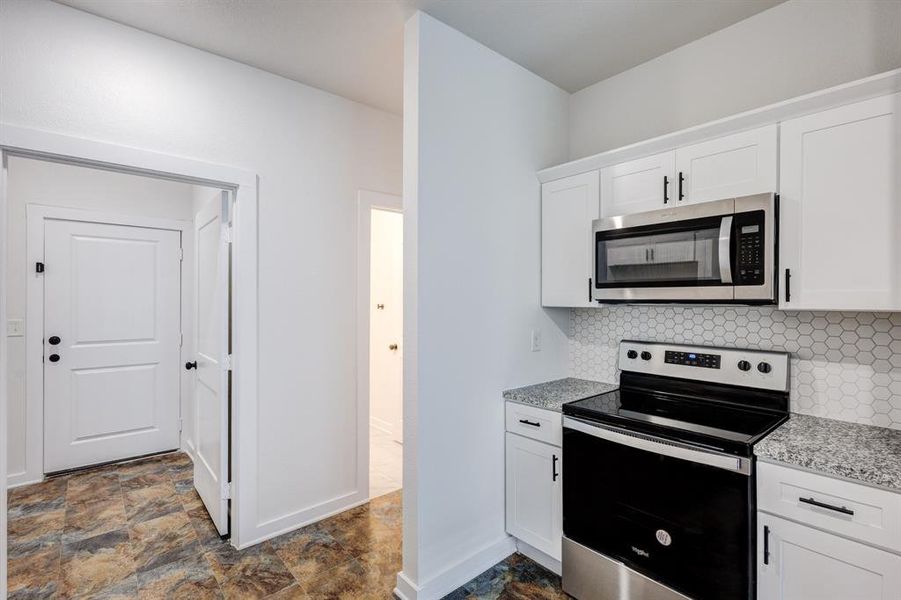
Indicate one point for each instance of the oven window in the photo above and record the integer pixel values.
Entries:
(686, 256)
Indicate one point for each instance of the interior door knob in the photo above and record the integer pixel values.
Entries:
(392, 346)
(54, 340)
(191, 365)
(54, 358)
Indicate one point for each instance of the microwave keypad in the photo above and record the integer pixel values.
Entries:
(750, 254)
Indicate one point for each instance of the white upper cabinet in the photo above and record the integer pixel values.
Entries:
(840, 236)
(568, 206)
(638, 185)
(735, 165)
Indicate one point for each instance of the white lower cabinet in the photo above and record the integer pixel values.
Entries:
(534, 493)
(797, 562)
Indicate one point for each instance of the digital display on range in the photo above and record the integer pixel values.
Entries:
(692, 359)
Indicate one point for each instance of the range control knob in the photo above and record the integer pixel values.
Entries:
(645, 355)
(764, 367)
(744, 365)
(631, 354)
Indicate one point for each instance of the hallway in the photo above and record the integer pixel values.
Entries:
(139, 530)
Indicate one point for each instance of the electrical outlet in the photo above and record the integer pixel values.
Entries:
(15, 328)
(536, 340)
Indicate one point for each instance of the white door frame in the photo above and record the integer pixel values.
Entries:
(36, 215)
(33, 143)
(366, 201)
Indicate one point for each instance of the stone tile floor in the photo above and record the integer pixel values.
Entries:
(515, 578)
(139, 530)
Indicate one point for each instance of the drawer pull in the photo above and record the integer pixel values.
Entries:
(841, 509)
(766, 545)
(528, 422)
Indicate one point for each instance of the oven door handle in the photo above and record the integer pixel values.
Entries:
(725, 250)
(661, 446)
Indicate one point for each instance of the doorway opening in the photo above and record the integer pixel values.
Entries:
(118, 305)
(385, 352)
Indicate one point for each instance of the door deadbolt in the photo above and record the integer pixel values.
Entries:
(54, 340)
(392, 347)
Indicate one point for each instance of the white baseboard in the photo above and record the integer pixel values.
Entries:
(406, 589)
(457, 574)
(548, 562)
(19, 479)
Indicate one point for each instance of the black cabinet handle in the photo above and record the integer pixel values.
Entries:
(54, 358)
(589, 289)
(840, 509)
(528, 422)
(554, 473)
(766, 545)
(54, 340)
(681, 181)
(788, 285)
(665, 189)
(191, 365)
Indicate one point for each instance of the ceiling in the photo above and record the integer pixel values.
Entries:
(354, 48)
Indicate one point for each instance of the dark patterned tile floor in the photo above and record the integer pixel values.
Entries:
(139, 530)
(514, 578)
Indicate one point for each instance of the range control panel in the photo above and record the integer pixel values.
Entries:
(734, 366)
(692, 359)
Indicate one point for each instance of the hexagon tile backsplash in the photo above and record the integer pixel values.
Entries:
(844, 366)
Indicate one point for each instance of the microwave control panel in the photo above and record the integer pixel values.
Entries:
(750, 252)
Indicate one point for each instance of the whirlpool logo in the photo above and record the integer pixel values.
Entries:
(641, 552)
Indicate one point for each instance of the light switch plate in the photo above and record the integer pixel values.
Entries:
(15, 328)
(536, 340)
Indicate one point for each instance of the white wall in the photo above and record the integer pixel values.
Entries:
(69, 72)
(55, 184)
(791, 49)
(477, 128)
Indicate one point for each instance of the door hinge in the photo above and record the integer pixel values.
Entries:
(181, 423)
(229, 362)
(181, 340)
(227, 234)
(38, 267)
(181, 254)
(227, 490)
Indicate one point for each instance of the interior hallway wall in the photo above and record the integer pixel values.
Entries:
(794, 48)
(56, 184)
(72, 73)
(476, 129)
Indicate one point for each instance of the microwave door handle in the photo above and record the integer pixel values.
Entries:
(725, 250)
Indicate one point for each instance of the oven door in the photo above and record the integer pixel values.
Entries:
(676, 514)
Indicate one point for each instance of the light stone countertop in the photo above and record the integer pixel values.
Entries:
(552, 395)
(864, 453)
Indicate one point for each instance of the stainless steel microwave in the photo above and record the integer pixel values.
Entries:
(713, 252)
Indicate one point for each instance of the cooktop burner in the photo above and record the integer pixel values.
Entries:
(710, 399)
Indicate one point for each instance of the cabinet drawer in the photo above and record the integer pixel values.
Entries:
(536, 423)
(856, 511)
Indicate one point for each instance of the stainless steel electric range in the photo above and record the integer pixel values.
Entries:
(659, 493)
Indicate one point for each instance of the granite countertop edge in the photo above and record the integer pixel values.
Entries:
(859, 453)
(552, 395)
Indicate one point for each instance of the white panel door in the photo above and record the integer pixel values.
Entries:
(534, 511)
(804, 563)
(386, 322)
(568, 207)
(840, 205)
(111, 379)
(638, 185)
(211, 389)
(735, 165)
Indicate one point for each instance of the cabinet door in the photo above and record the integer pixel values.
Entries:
(638, 185)
(568, 207)
(728, 167)
(807, 564)
(534, 493)
(840, 206)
